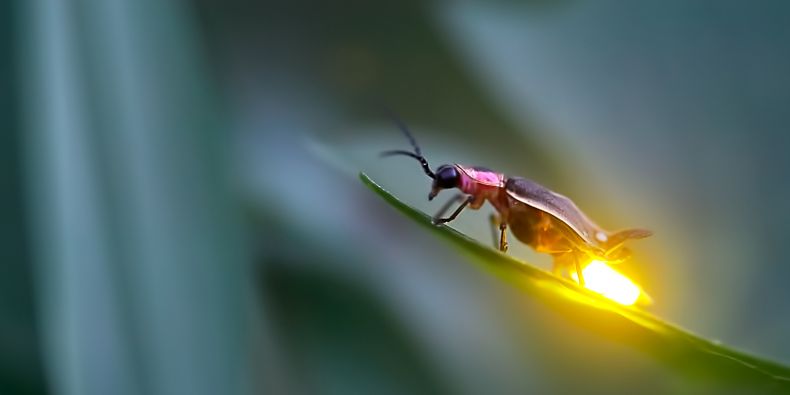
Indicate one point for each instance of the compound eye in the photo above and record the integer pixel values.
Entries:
(447, 177)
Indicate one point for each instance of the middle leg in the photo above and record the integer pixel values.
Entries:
(497, 222)
(502, 237)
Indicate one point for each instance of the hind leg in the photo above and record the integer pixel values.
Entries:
(617, 256)
(578, 266)
(561, 261)
(556, 268)
(569, 260)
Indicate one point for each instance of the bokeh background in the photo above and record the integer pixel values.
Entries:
(181, 213)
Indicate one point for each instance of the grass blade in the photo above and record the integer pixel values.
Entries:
(688, 354)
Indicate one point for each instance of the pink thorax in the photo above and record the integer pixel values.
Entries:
(471, 178)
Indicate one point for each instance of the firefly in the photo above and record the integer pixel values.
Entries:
(548, 222)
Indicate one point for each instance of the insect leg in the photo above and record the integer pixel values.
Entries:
(556, 268)
(437, 220)
(578, 269)
(494, 223)
(502, 237)
(618, 256)
(458, 197)
(560, 261)
(500, 242)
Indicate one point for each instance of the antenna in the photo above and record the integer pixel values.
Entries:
(417, 154)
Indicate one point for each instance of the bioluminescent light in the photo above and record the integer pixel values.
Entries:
(601, 278)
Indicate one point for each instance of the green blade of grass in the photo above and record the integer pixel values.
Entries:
(682, 351)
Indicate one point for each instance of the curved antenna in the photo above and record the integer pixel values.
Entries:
(417, 154)
(423, 162)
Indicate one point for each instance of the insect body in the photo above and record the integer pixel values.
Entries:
(547, 221)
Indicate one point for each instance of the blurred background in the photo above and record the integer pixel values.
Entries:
(181, 213)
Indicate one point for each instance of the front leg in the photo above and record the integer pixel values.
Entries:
(467, 199)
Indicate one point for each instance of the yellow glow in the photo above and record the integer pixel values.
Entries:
(601, 278)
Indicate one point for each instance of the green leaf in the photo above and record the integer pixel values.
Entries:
(690, 355)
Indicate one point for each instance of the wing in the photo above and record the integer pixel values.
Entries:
(558, 206)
